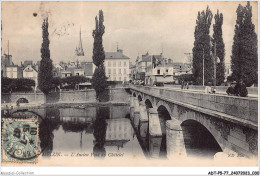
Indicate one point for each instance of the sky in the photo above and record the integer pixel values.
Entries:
(137, 27)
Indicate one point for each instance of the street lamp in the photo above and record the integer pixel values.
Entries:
(203, 82)
(35, 88)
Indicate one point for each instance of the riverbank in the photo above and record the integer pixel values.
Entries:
(73, 96)
(79, 105)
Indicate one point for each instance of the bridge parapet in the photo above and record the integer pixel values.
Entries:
(243, 108)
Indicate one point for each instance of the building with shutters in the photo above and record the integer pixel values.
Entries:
(117, 66)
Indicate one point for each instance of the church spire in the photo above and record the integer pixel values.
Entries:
(79, 49)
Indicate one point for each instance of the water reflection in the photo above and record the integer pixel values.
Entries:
(98, 131)
(119, 132)
(102, 130)
(100, 127)
(153, 147)
(46, 128)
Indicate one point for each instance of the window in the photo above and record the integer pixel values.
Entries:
(158, 72)
(119, 63)
(114, 71)
(77, 74)
(124, 71)
(114, 64)
(109, 71)
(119, 78)
(167, 70)
(119, 71)
(114, 78)
(124, 78)
(125, 63)
(109, 63)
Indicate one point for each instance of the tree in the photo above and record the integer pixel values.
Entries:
(45, 75)
(72, 81)
(56, 82)
(202, 42)
(220, 47)
(24, 84)
(18, 84)
(99, 81)
(244, 57)
(186, 77)
(98, 50)
(99, 77)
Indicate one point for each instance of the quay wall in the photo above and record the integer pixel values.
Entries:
(76, 96)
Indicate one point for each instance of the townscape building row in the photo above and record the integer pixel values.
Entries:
(148, 68)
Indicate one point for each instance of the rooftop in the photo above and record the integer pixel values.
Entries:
(116, 55)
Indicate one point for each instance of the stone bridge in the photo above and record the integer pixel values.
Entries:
(192, 118)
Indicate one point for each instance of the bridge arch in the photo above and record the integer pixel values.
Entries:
(206, 122)
(162, 103)
(198, 137)
(140, 97)
(22, 100)
(164, 115)
(149, 103)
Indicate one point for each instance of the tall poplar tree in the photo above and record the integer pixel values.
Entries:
(220, 47)
(98, 49)
(45, 75)
(99, 77)
(244, 57)
(202, 42)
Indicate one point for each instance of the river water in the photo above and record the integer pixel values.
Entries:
(98, 132)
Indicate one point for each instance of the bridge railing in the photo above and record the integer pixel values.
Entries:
(244, 108)
(222, 89)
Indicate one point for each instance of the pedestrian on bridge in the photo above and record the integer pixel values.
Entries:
(182, 84)
(231, 90)
(208, 88)
(240, 88)
(187, 85)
